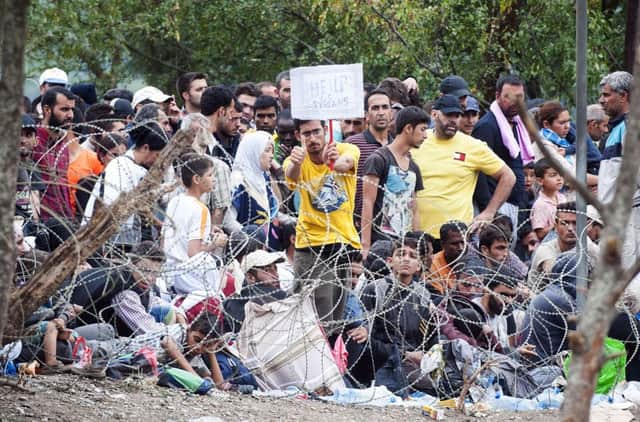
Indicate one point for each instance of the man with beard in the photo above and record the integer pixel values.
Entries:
(217, 105)
(52, 155)
(283, 88)
(450, 162)
(378, 114)
(190, 87)
(350, 127)
(391, 180)
(266, 113)
(228, 134)
(29, 185)
(503, 130)
(325, 234)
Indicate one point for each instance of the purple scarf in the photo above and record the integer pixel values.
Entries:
(509, 140)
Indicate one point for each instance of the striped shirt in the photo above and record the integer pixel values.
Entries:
(130, 309)
(367, 144)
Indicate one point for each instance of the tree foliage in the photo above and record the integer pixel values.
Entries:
(232, 41)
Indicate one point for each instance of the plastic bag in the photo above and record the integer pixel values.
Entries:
(181, 379)
(613, 371)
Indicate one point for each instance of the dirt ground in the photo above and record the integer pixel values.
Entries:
(70, 398)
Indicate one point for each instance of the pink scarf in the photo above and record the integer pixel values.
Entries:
(509, 140)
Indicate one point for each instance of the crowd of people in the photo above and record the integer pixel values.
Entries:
(416, 228)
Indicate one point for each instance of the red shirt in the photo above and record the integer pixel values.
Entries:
(52, 158)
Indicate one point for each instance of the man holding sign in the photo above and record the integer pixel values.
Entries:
(324, 173)
(325, 234)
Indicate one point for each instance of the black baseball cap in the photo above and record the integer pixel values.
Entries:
(122, 108)
(448, 104)
(28, 123)
(454, 85)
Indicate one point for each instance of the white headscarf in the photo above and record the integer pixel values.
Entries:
(246, 167)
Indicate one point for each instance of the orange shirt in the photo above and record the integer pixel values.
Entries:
(442, 276)
(85, 164)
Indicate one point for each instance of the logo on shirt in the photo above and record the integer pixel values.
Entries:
(459, 156)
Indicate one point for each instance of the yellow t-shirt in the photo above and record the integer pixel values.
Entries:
(449, 170)
(326, 209)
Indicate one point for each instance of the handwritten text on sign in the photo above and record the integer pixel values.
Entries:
(327, 92)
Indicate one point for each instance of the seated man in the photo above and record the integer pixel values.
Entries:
(547, 323)
(452, 238)
(547, 253)
(139, 309)
(261, 285)
(402, 329)
(120, 295)
(486, 321)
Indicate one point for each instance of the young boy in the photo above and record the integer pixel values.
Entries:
(544, 208)
(494, 247)
(50, 342)
(173, 344)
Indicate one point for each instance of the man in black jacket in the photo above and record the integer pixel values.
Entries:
(509, 90)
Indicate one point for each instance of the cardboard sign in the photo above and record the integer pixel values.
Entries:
(327, 92)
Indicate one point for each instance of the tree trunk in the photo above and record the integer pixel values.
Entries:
(609, 279)
(13, 28)
(631, 26)
(104, 224)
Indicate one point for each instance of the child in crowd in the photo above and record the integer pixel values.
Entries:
(50, 342)
(544, 208)
(189, 236)
(529, 183)
(173, 344)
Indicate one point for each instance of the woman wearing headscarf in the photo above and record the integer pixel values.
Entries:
(252, 199)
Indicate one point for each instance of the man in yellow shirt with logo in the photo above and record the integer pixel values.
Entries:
(450, 162)
(325, 176)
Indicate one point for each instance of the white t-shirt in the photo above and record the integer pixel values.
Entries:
(187, 219)
(122, 174)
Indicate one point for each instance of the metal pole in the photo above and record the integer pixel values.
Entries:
(581, 150)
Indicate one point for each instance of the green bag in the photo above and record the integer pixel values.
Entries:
(179, 378)
(613, 371)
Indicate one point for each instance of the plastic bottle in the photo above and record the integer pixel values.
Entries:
(242, 388)
(512, 403)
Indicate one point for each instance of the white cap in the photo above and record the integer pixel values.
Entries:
(594, 215)
(54, 76)
(149, 93)
(260, 258)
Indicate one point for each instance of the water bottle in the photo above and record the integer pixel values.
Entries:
(512, 404)
(242, 388)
